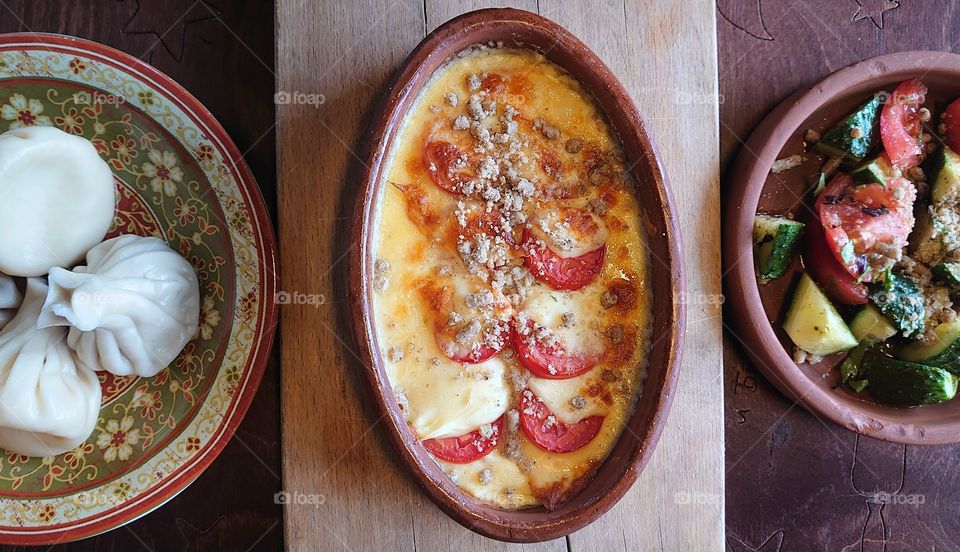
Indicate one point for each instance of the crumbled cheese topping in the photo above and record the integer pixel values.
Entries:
(486, 476)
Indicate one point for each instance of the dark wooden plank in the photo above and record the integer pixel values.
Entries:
(222, 52)
(794, 482)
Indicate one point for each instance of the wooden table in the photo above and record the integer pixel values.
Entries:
(793, 481)
(222, 52)
(333, 446)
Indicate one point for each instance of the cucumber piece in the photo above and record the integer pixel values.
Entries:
(948, 273)
(814, 324)
(877, 171)
(776, 241)
(858, 385)
(903, 383)
(850, 367)
(902, 302)
(853, 137)
(947, 182)
(870, 326)
(942, 352)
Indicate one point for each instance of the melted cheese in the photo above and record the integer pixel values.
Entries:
(507, 485)
(569, 232)
(582, 334)
(559, 396)
(452, 399)
(417, 238)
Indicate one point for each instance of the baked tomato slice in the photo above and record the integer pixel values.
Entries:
(479, 221)
(866, 226)
(470, 351)
(547, 361)
(951, 123)
(550, 434)
(900, 124)
(567, 274)
(448, 164)
(839, 285)
(466, 448)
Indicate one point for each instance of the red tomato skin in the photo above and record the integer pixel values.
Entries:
(465, 448)
(538, 359)
(459, 353)
(951, 120)
(559, 437)
(823, 267)
(900, 124)
(557, 272)
(868, 216)
(438, 156)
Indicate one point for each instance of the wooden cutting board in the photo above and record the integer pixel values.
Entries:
(346, 489)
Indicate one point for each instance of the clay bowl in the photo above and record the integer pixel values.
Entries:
(758, 311)
(615, 476)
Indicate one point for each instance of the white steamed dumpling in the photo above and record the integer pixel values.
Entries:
(132, 308)
(10, 299)
(57, 200)
(48, 404)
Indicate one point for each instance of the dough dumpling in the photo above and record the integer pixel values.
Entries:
(58, 200)
(9, 299)
(48, 404)
(132, 308)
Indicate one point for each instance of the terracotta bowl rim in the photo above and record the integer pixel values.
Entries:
(747, 182)
(528, 29)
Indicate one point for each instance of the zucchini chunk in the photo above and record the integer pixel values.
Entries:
(814, 324)
(902, 302)
(876, 171)
(776, 240)
(870, 326)
(948, 273)
(852, 138)
(904, 383)
(947, 180)
(943, 352)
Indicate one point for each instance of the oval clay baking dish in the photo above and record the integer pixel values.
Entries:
(758, 310)
(515, 28)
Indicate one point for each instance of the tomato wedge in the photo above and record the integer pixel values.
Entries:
(548, 433)
(951, 122)
(557, 272)
(839, 285)
(900, 124)
(472, 353)
(465, 448)
(866, 226)
(448, 165)
(552, 362)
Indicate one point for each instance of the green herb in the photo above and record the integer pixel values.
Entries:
(821, 185)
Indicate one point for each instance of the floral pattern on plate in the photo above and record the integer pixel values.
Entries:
(178, 178)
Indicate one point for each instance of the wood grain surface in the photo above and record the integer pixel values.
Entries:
(222, 52)
(335, 453)
(795, 483)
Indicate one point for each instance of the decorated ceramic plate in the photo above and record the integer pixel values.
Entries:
(179, 178)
